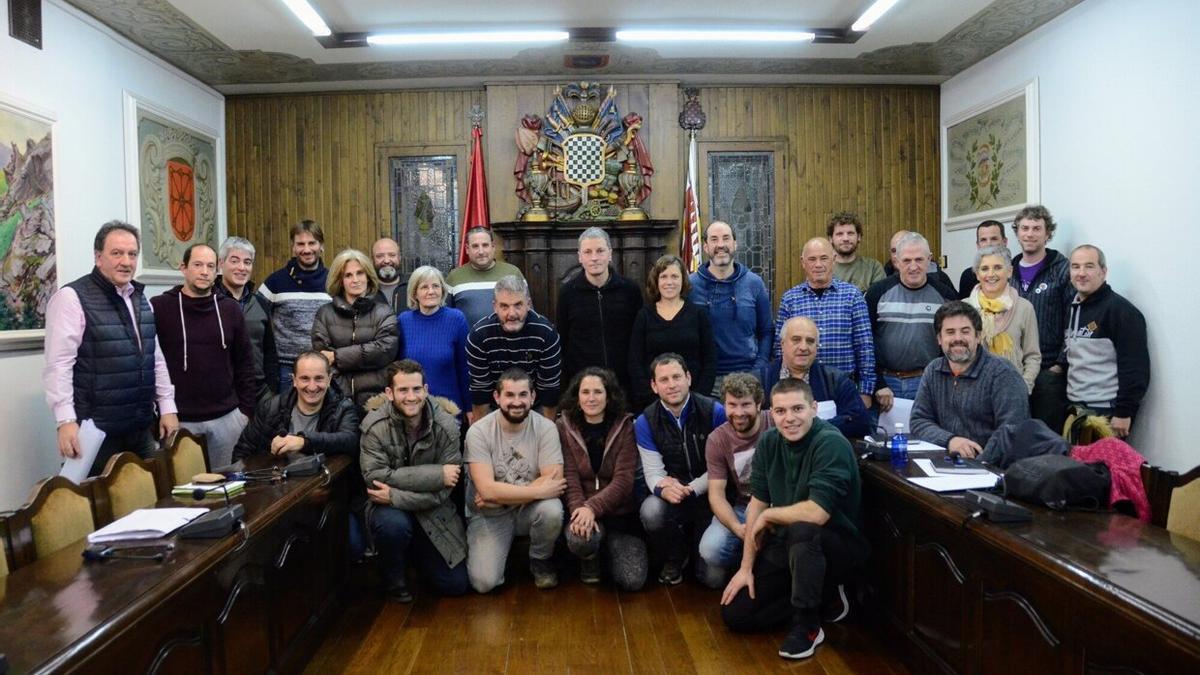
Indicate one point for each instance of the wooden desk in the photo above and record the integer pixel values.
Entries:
(1067, 593)
(214, 606)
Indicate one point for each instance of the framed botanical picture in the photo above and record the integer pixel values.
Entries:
(28, 266)
(174, 187)
(990, 159)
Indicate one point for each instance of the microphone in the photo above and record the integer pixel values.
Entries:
(217, 522)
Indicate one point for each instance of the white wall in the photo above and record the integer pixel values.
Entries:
(78, 78)
(1119, 88)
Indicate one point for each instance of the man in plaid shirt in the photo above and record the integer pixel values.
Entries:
(840, 313)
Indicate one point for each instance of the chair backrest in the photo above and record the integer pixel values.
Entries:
(58, 514)
(1168, 490)
(128, 483)
(187, 456)
(4, 547)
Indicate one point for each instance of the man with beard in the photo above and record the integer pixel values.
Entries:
(235, 261)
(845, 230)
(801, 339)
(839, 310)
(294, 293)
(968, 394)
(516, 466)
(513, 336)
(728, 454)
(470, 286)
(739, 308)
(393, 291)
(204, 341)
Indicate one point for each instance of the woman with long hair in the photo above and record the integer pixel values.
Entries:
(600, 459)
(356, 334)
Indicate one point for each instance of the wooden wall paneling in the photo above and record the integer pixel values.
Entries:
(499, 129)
(667, 144)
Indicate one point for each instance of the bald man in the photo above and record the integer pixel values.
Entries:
(393, 290)
(838, 309)
(801, 339)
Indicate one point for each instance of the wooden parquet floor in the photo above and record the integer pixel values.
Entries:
(575, 629)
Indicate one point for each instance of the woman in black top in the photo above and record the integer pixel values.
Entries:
(670, 324)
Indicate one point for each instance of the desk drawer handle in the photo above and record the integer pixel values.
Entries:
(1029, 611)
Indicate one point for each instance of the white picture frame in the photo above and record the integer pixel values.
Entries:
(990, 159)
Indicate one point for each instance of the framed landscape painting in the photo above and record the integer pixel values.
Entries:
(173, 190)
(28, 267)
(990, 159)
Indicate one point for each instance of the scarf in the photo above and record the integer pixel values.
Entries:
(996, 314)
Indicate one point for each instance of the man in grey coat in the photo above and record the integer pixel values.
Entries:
(967, 394)
(411, 460)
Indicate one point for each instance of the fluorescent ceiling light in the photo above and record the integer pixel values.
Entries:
(872, 15)
(309, 17)
(714, 36)
(467, 37)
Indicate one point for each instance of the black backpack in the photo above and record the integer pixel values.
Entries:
(1059, 482)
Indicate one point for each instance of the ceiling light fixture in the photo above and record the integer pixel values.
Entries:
(715, 36)
(309, 17)
(388, 39)
(872, 15)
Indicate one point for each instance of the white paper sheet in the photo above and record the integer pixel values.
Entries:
(826, 410)
(90, 439)
(145, 524)
(900, 412)
(956, 482)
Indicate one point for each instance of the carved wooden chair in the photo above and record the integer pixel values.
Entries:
(187, 455)
(1174, 499)
(128, 483)
(58, 514)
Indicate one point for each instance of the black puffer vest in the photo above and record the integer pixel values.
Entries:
(682, 449)
(114, 377)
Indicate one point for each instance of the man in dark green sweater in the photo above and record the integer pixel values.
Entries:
(803, 538)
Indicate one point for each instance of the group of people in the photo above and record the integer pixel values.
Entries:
(697, 428)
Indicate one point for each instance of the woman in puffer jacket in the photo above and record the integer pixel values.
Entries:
(359, 336)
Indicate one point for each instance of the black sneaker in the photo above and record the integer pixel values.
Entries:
(544, 574)
(400, 593)
(671, 574)
(801, 642)
(589, 570)
(837, 607)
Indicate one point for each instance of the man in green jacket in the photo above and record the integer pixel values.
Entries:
(411, 460)
(803, 538)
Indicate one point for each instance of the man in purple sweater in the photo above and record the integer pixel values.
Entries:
(207, 349)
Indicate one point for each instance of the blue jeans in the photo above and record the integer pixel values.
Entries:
(720, 550)
(398, 534)
(903, 387)
(285, 377)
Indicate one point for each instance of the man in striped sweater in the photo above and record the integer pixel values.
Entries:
(513, 336)
(294, 293)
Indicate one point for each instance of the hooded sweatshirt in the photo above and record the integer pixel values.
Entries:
(1108, 362)
(294, 295)
(208, 354)
(740, 312)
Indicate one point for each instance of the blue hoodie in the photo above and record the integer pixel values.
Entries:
(740, 311)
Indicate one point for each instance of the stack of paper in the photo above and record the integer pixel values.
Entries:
(145, 524)
(235, 488)
(942, 482)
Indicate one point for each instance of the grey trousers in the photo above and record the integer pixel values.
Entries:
(222, 434)
(624, 554)
(490, 537)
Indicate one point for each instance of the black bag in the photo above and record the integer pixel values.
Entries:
(1059, 482)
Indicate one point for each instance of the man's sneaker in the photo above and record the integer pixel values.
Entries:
(801, 642)
(671, 574)
(837, 607)
(589, 570)
(400, 593)
(544, 575)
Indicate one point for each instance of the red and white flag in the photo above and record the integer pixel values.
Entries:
(689, 233)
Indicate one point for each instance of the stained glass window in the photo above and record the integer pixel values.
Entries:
(425, 211)
(741, 192)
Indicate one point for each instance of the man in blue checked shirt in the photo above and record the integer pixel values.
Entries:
(840, 313)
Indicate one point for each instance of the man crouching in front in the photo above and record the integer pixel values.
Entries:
(803, 538)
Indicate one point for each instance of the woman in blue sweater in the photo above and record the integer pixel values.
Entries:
(435, 336)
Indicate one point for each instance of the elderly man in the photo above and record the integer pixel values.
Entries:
(596, 309)
(902, 308)
(235, 260)
(470, 286)
(839, 311)
(845, 230)
(1108, 363)
(739, 308)
(969, 393)
(513, 336)
(104, 367)
(932, 268)
(393, 290)
(801, 340)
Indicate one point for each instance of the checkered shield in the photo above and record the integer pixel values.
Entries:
(583, 156)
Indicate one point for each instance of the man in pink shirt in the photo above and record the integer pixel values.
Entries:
(103, 362)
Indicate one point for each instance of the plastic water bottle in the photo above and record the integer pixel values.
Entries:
(899, 447)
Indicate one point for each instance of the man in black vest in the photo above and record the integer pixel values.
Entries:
(671, 435)
(103, 364)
